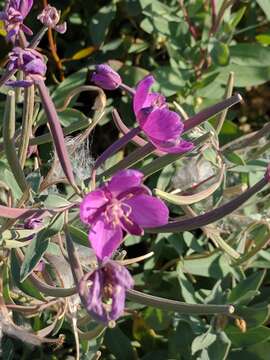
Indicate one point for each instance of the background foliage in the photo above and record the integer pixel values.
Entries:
(191, 58)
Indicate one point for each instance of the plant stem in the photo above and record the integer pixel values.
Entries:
(28, 110)
(177, 306)
(57, 133)
(211, 216)
(9, 142)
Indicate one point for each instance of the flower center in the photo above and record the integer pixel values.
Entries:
(158, 102)
(117, 210)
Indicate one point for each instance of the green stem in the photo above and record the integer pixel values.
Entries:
(27, 119)
(9, 142)
(228, 94)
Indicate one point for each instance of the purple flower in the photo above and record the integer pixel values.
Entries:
(50, 17)
(14, 15)
(105, 77)
(123, 204)
(162, 126)
(30, 62)
(106, 292)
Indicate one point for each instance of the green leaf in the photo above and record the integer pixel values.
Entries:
(99, 24)
(54, 200)
(203, 341)
(219, 349)
(38, 247)
(216, 266)
(78, 235)
(118, 344)
(250, 337)
(25, 286)
(248, 54)
(70, 116)
(265, 6)
(245, 291)
(264, 38)
(33, 255)
(254, 316)
(246, 75)
(220, 53)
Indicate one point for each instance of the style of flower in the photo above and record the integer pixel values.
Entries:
(50, 17)
(123, 204)
(105, 77)
(14, 14)
(104, 291)
(162, 127)
(30, 62)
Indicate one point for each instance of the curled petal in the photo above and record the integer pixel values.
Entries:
(142, 92)
(105, 238)
(131, 227)
(180, 148)
(107, 291)
(148, 211)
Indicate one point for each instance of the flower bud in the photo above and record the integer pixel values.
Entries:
(105, 77)
(50, 17)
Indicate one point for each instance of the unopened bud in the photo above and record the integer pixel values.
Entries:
(105, 77)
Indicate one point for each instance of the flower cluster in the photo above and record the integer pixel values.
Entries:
(14, 14)
(30, 62)
(123, 204)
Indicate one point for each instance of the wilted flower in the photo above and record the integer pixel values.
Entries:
(124, 203)
(162, 126)
(30, 62)
(50, 17)
(104, 291)
(33, 222)
(105, 77)
(13, 16)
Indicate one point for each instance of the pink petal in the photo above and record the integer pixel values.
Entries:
(131, 227)
(163, 125)
(142, 92)
(182, 147)
(105, 238)
(25, 7)
(148, 211)
(90, 205)
(124, 180)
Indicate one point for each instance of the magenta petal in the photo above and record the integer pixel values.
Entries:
(148, 211)
(124, 180)
(182, 147)
(90, 205)
(131, 227)
(105, 238)
(163, 125)
(142, 91)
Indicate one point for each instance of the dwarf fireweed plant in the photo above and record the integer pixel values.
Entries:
(88, 225)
